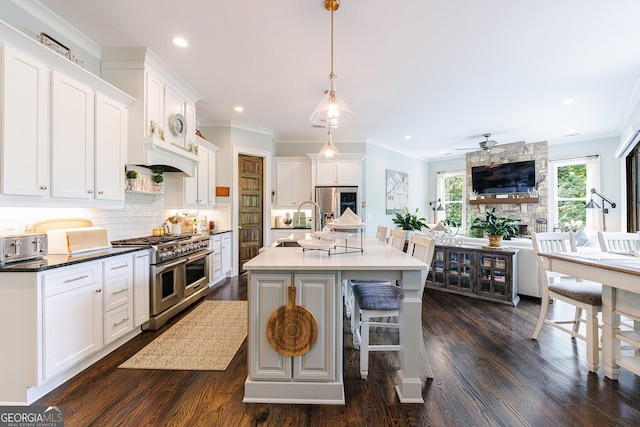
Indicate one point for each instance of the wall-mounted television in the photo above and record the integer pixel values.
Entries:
(516, 177)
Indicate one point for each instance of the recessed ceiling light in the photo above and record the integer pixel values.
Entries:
(238, 108)
(572, 132)
(179, 41)
(407, 137)
(568, 101)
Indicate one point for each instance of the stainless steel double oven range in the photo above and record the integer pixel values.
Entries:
(179, 273)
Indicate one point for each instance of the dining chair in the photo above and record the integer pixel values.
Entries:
(619, 242)
(377, 305)
(398, 238)
(347, 295)
(585, 296)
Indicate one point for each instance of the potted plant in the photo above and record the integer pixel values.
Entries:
(409, 221)
(132, 175)
(157, 178)
(496, 227)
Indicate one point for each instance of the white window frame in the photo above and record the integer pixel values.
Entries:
(593, 181)
(440, 191)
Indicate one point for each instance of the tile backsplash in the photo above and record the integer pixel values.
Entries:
(132, 220)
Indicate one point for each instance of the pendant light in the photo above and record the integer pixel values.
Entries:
(332, 110)
(329, 151)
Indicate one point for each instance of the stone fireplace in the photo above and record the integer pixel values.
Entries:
(519, 206)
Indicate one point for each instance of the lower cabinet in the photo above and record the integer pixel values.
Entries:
(476, 272)
(141, 297)
(72, 316)
(221, 258)
(118, 297)
(316, 292)
(225, 253)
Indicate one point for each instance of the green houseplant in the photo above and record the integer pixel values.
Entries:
(496, 227)
(157, 178)
(409, 221)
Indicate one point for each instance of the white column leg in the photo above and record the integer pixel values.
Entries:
(611, 326)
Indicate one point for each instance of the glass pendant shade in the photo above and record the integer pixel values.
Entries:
(328, 151)
(332, 110)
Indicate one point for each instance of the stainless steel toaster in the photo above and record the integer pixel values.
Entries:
(22, 247)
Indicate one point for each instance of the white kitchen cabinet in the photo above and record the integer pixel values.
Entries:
(141, 295)
(197, 191)
(216, 259)
(173, 104)
(190, 116)
(293, 181)
(345, 171)
(72, 138)
(154, 103)
(72, 316)
(314, 291)
(225, 253)
(111, 143)
(25, 125)
(118, 294)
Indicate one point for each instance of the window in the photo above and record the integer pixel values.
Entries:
(570, 186)
(451, 190)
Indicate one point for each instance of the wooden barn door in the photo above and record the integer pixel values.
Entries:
(250, 206)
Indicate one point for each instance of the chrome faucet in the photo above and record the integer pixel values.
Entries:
(316, 216)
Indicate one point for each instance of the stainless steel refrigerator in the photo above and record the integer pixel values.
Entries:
(333, 201)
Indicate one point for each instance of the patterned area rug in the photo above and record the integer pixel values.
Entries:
(206, 339)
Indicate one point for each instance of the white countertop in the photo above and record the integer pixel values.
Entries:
(376, 254)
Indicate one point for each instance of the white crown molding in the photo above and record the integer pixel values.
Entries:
(240, 125)
(50, 19)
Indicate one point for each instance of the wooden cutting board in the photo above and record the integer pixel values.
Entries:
(292, 329)
(42, 227)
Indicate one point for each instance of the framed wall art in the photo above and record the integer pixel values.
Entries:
(397, 186)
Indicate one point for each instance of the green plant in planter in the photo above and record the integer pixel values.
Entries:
(409, 221)
(496, 227)
(131, 174)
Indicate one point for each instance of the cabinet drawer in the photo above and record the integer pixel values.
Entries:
(117, 291)
(70, 278)
(118, 322)
(118, 266)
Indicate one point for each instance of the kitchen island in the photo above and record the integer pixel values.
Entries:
(316, 377)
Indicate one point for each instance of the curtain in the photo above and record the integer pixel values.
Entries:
(594, 216)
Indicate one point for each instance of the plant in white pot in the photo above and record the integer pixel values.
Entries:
(157, 178)
(409, 221)
(495, 226)
(132, 176)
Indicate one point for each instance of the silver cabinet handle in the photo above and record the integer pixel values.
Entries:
(120, 266)
(90, 191)
(76, 279)
(100, 192)
(98, 291)
(43, 187)
(120, 291)
(120, 322)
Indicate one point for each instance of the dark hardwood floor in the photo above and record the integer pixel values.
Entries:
(488, 372)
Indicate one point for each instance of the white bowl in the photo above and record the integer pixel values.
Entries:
(332, 235)
(316, 244)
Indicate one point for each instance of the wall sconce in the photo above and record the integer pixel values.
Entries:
(593, 205)
(434, 208)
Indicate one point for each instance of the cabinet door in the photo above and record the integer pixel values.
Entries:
(25, 125)
(268, 292)
(347, 172)
(211, 199)
(154, 101)
(111, 140)
(215, 268)
(140, 288)
(203, 176)
(285, 179)
(326, 173)
(317, 292)
(72, 138)
(173, 104)
(225, 253)
(190, 117)
(72, 325)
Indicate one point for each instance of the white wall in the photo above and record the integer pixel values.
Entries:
(377, 161)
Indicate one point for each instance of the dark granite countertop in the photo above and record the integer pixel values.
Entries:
(57, 261)
(214, 232)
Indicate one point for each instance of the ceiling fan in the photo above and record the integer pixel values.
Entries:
(488, 145)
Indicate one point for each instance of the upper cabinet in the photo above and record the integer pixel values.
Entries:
(197, 191)
(347, 170)
(162, 120)
(293, 181)
(25, 127)
(63, 128)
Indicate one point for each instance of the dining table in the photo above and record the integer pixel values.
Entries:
(312, 373)
(619, 274)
